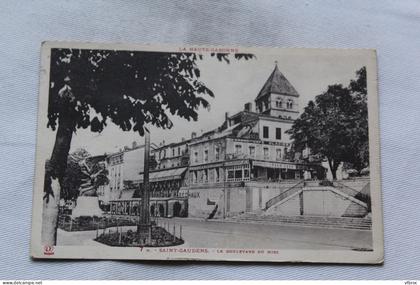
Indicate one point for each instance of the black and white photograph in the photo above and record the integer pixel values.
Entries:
(207, 153)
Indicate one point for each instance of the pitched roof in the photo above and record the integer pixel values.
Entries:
(278, 84)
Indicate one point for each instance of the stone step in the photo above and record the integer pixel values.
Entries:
(312, 222)
(334, 222)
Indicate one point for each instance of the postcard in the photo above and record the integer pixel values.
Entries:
(157, 152)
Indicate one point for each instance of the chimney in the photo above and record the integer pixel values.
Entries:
(134, 145)
(248, 107)
(193, 135)
(126, 148)
(227, 118)
(183, 139)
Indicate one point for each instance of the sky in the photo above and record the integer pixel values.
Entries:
(234, 85)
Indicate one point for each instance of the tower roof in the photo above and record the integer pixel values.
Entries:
(277, 83)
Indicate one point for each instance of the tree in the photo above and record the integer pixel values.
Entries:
(358, 157)
(94, 174)
(334, 126)
(89, 88)
(82, 168)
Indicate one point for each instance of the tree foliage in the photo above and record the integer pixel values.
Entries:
(90, 88)
(335, 125)
(94, 175)
(82, 168)
(130, 89)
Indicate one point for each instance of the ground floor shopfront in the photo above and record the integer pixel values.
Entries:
(243, 170)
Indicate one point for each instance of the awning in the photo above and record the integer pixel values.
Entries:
(277, 165)
(170, 174)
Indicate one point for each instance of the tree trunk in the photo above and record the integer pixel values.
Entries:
(50, 214)
(54, 172)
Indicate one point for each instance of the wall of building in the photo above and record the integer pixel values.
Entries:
(133, 163)
(171, 155)
(198, 155)
(259, 152)
(272, 125)
(115, 175)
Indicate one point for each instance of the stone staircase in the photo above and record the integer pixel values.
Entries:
(355, 211)
(312, 221)
(292, 190)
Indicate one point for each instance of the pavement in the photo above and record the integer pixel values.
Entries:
(218, 234)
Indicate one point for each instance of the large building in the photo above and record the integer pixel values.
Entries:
(244, 165)
(248, 160)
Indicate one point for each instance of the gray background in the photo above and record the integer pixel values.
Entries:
(392, 27)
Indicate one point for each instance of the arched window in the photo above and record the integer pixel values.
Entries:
(279, 103)
(290, 104)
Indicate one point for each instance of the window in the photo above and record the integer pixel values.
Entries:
(179, 151)
(238, 149)
(266, 153)
(205, 176)
(238, 174)
(231, 174)
(246, 173)
(206, 155)
(216, 174)
(290, 104)
(195, 156)
(194, 177)
(278, 154)
(252, 151)
(265, 132)
(278, 133)
(279, 104)
(216, 153)
(173, 152)
(199, 176)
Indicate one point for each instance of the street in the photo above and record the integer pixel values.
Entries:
(218, 234)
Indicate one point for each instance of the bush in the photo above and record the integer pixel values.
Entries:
(326, 183)
(160, 237)
(87, 223)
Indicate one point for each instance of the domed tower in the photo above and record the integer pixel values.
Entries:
(278, 97)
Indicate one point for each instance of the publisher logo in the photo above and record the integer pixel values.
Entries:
(48, 250)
